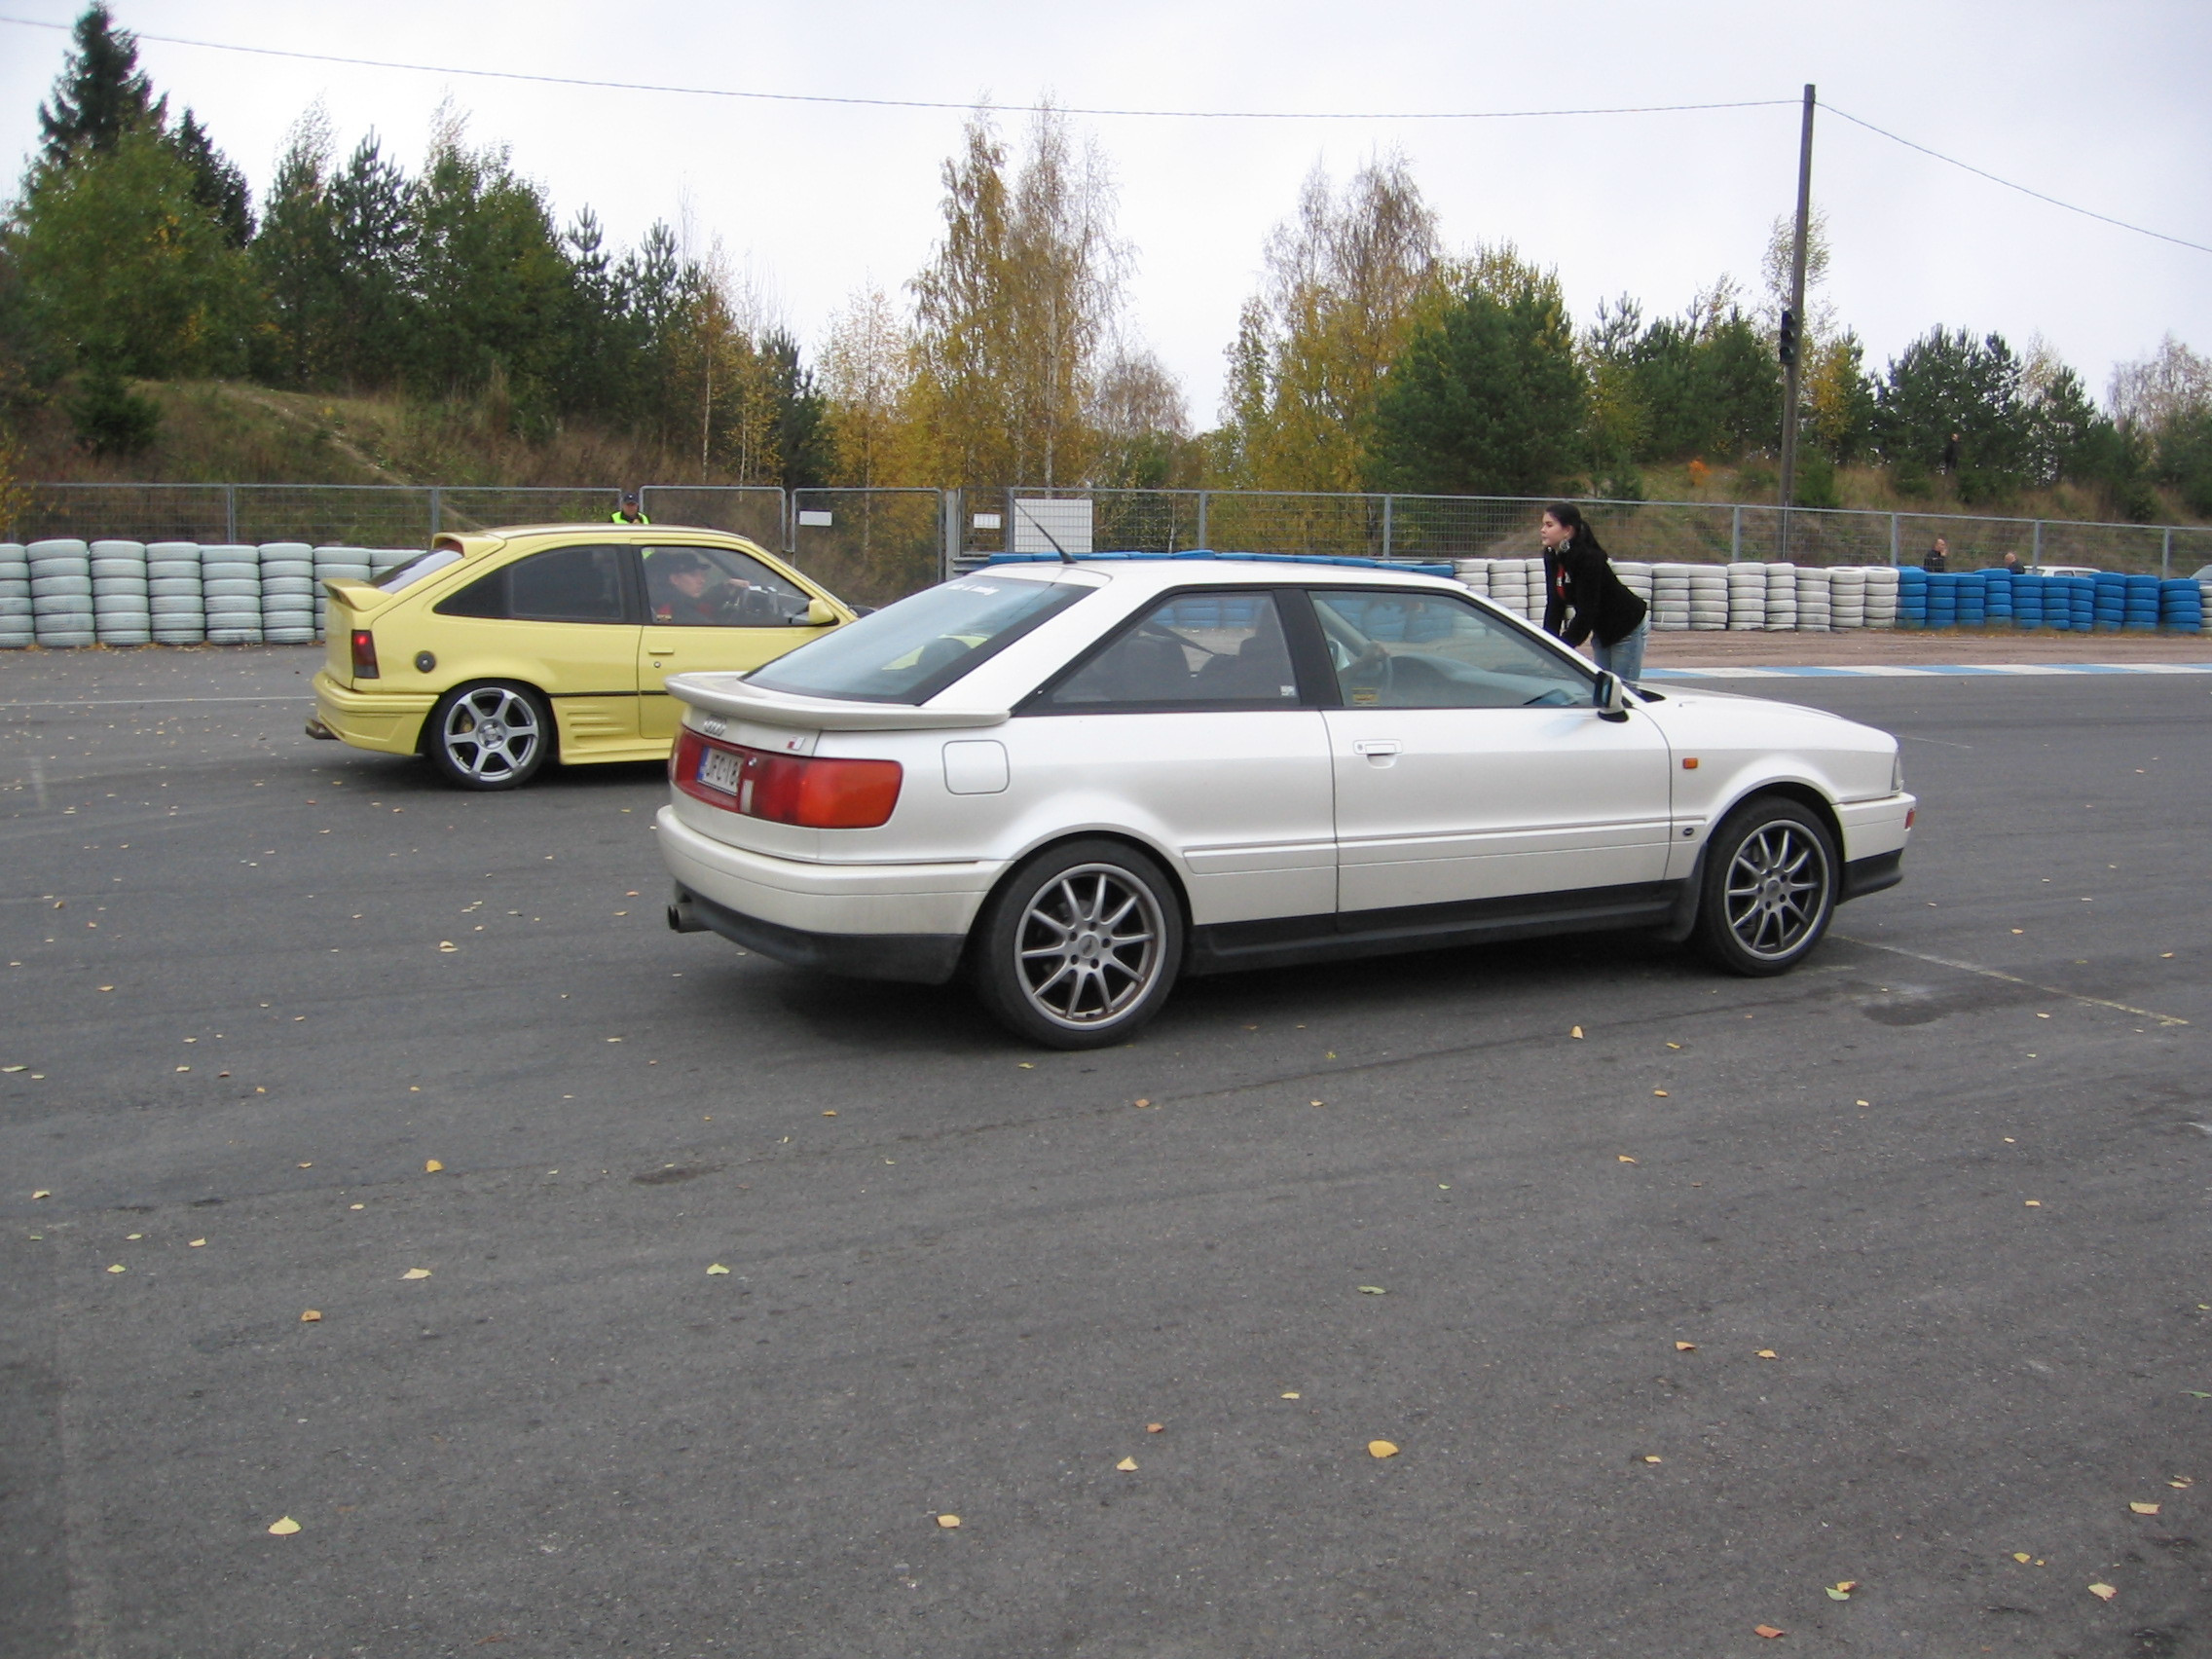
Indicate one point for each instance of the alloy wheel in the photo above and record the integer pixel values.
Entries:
(1777, 889)
(1089, 946)
(491, 734)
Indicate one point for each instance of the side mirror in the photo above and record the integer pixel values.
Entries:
(1608, 697)
(819, 614)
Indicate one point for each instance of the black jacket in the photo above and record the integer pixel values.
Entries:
(1598, 600)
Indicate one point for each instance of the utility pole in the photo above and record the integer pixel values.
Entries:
(1793, 322)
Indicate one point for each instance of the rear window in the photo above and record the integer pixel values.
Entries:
(909, 652)
(416, 569)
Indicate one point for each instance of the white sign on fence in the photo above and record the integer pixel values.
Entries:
(1040, 521)
(814, 518)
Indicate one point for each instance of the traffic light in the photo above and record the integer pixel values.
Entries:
(1785, 342)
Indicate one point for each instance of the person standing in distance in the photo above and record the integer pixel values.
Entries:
(628, 511)
(1938, 558)
(1584, 598)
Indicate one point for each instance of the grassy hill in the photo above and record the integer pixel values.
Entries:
(227, 432)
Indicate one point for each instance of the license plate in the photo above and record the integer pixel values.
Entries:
(718, 769)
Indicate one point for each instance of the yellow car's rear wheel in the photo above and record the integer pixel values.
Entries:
(492, 735)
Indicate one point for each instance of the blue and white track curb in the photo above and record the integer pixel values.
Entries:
(1925, 671)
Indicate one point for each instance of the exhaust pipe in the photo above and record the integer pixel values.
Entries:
(683, 915)
(316, 728)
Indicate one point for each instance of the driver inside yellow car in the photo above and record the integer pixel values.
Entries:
(696, 592)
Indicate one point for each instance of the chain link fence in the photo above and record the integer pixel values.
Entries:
(874, 545)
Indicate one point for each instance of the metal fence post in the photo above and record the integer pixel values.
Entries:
(1735, 533)
(948, 524)
(1893, 541)
(2034, 559)
(2165, 555)
(1203, 542)
(437, 509)
(1387, 501)
(230, 513)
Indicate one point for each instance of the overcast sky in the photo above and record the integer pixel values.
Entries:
(2102, 105)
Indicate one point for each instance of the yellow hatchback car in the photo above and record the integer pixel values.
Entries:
(492, 654)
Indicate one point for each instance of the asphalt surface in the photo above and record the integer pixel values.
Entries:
(1932, 1211)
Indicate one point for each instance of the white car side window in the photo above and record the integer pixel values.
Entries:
(1198, 650)
(1403, 650)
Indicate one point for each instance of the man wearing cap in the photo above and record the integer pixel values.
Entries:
(628, 511)
(692, 591)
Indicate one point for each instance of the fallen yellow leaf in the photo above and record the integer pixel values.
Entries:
(1661, 1092)
(313, 1316)
(948, 1521)
(1293, 1395)
(828, 1114)
(2033, 1203)
(1373, 1290)
(415, 1273)
(1847, 1585)
(1128, 1465)
(1649, 1459)
(1685, 1348)
(193, 1243)
(2181, 1482)
(2020, 1556)
(2144, 1508)
(116, 1269)
(1576, 1032)
(1863, 1103)
(1770, 1631)
(431, 1167)
(1154, 1427)
(1768, 1354)
(43, 1193)
(1381, 1449)
(718, 1267)
(2103, 1592)
(284, 1526)
(1144, 1104)
(447, 944)
(1625, 1159)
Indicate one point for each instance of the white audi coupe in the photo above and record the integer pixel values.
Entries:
(1076, 781)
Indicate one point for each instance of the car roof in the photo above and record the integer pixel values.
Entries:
(1154, 572)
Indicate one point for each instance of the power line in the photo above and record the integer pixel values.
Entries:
(918, 104)
(1984, 172)
(671, 90)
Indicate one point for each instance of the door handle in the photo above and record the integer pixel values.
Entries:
(1377, 746)
(660, 647)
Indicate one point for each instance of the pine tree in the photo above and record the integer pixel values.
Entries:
(103, 92)
(217, 184)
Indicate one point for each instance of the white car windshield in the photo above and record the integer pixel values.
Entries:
(909, 652)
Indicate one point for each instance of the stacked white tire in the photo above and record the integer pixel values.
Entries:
(62, 592)
(1881, 596)
(1709, 598)
(1747, 597)
(1781, 596)
(1509, 585)
(1814, 601)
(16, 628)
(288, 593)
(172, 593)
(1669, 598)
(229, 579)
(1473, 574)
(1847, 596)
(120, 614)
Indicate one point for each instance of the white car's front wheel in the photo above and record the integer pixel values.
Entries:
(1081, 946)
(1771, 876)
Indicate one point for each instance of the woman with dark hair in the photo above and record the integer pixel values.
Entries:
(1584, 599)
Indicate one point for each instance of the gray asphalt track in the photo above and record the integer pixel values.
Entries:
(1932, 1212)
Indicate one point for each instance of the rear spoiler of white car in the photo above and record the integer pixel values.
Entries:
(729, 694)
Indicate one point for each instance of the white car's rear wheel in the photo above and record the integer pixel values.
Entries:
(1081, 946)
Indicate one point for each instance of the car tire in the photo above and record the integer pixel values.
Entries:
(1040, 964)
(1769, 888)
(493, 734)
